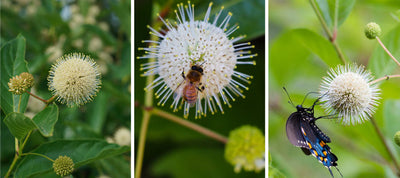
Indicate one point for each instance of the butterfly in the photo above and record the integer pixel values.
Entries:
(302, 132)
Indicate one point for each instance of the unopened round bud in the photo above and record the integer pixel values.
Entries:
(372, 30)
(63, 166)
(397, 138)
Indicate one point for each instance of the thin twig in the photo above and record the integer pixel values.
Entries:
(148, 101)
(38, 154)
(188, 124)
(382, 138)
(37, 97)
(387, 77)
(388, 52)
(332, 38)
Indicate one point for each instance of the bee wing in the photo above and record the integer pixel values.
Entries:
(177, 91)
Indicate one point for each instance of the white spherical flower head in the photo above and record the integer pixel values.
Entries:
(196, 61)
(123, 137)
(74, 79)
(347, 92)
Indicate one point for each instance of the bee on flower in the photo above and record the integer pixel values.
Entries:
(196, 62)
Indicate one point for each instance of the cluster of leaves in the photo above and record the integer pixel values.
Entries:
(77, 132)
(301, 54)
(176, 151)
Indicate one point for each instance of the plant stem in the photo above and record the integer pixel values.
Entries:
(38, 154)
(148, 101)
(382, 138)
(387, 77)
(388, 52)
(193, 126)
(37, 97)
(332, 38)
(16, 157)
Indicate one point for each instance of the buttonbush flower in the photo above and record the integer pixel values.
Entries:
(20, 83)
(63, 166)
(347, 91)
(74, 79)
(246, 149)
(202, 43)
(123, 137)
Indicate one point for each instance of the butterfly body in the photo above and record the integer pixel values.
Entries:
(302, 132)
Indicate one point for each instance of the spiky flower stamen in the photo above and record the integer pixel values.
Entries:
(191, 42)
(347, 91)
(74, 79)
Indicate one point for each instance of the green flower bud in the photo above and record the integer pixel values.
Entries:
(28, 79)
(246, 148)
(397, 138)
(63, 166)
(372, 30)
(20, 83)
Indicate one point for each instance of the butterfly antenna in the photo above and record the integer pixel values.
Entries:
(307, 96)
(339, 171)
(330, 171)
(290, 100)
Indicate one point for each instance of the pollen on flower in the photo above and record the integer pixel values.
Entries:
(347, 91)
(74, 79)
(246, 149)
(196, 62)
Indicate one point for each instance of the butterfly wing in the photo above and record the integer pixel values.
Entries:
(293, 130)
(316, 144)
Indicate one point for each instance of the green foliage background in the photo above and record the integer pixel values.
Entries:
(80, 132)
(300, 55)
(175, 151)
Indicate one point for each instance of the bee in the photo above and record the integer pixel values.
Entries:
(192, 84)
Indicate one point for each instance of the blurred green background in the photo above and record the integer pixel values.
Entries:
(100, 29)
(175, 151)
(299, 56)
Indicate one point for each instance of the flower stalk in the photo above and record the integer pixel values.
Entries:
(188, 124)
(331, 36)
(382, 138)
(387, 51)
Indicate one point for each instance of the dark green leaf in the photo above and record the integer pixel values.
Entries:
(12, 63)
(197, 163)
(380, 62)
(80, 151)
(98, 111)
(19, 125)
(116, 166)
(46, 119)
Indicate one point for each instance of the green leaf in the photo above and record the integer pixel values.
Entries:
(12, 63)
(46, 119)
(327, 9)
(290, 55)
(97, 111)
(197, 163)
(80, 151)
(116, 166)
(318, 45)
(19, 125)
(380, 62)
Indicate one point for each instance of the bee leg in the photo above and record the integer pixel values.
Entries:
(183, 73)
(201, 90)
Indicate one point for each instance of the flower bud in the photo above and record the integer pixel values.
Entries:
(397, 138)
(63, 166)
(372, 30)
(20, 83)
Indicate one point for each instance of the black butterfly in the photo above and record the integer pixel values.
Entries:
(302, 132)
